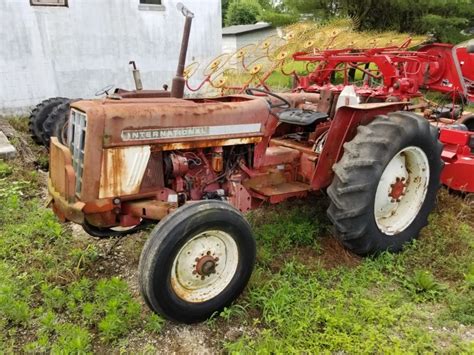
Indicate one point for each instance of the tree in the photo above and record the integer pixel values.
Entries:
(443, 18)
(242, 12)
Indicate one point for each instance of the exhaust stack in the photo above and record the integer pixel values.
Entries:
(177, 86)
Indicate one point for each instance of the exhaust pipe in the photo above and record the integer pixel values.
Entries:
(177, 86)
(136, 76)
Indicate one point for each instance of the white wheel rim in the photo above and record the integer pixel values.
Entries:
(401, 190)
(204, 266)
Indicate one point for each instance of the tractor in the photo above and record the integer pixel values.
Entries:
(197, 165)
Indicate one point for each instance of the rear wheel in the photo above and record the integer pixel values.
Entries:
(197, 261)
(56, 123)
(385, 184)
(40, 114)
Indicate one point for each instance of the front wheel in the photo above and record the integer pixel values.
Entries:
(385, 184)
(197, 261)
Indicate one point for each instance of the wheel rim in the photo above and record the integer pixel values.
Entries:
(401, 190)
(204, 266)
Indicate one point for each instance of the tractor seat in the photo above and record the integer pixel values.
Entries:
(301, 117)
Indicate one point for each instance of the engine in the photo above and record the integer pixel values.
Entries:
(205, 173)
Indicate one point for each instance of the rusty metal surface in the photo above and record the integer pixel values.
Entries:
(177, 86)
(206, 143)
(64, 209)
(169, 113)
(151, 209)
(142, 94)
(123, 170)
(61, 171)
(284, 188)
(275, 155)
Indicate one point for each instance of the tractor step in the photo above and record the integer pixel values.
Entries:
(280, 192)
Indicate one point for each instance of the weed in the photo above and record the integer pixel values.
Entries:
(5, 169)
(72, 339)
(154, 323)
(423, 286)
(234, 311)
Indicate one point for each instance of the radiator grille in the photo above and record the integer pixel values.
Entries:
(77, 139)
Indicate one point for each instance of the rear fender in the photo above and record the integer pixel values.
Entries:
(343, 128)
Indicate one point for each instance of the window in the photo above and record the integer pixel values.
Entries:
(156, 5)
(48, 3)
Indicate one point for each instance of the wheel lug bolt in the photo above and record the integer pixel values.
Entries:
(203, 277)
(194, 272)
(197, 259)
(208, 253)
(216, 259)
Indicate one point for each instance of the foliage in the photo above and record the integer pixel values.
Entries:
(442, 18)
(242, 12)
(44, 290)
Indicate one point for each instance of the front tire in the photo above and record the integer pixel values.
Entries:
(385, 184)
(197, 261)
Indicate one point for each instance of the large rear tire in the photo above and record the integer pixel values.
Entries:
(39, 115)
(385, 184)
(54, 124)
(197, 261)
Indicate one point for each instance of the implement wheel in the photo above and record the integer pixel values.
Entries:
(385, 184)
(197, 261)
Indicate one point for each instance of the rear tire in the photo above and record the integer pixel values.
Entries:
(197, 261)
(40, 114)
(385, 184)
(56, 121)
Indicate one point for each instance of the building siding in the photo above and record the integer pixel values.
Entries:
(75, 51)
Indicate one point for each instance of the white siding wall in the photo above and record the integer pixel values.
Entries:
(229, 44)
(254, 37)
(74, 51)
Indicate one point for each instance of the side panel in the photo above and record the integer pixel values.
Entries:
(123, 170)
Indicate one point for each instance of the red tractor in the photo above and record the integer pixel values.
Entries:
(197, 165)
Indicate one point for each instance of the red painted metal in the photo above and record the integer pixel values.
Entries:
(402, 73)
(458, 155)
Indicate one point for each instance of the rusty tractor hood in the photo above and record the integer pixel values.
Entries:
(134, 121)
(164, 120)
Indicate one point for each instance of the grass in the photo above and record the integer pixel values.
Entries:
(307, 293)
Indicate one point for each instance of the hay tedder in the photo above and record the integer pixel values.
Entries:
(196, 165)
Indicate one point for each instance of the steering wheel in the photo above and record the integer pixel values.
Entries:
(284, 102)
(105, 90)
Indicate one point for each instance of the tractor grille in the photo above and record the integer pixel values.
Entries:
(77, 140)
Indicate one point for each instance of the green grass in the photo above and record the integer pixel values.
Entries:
(390, 304)
(307, 293)
(47, 300)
